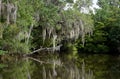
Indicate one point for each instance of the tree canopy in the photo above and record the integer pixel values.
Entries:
(28, 25)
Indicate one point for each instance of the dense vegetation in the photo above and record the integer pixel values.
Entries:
(27, 25)
(106, 34)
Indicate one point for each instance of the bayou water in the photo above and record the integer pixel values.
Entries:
(65, 66)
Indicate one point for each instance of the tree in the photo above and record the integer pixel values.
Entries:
(67, 24)
(105, 36)
(111, 21)
(27, 25)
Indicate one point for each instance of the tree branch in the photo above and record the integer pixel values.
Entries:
(57, 48)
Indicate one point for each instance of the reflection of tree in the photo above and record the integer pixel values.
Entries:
(52, 67)
(57, 69)
(18, 70)
(103, 66)
(114, 68)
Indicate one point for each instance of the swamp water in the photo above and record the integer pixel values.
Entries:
(50, 66)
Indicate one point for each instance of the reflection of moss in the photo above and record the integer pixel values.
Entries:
(97, 63)
(102, 66)
(19, 70)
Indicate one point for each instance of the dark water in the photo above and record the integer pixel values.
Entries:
(46, 66)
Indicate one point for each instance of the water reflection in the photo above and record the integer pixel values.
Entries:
(17, 70)
(62, 67)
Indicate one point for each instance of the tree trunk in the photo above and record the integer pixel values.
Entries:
(29, 34)
(0, 9)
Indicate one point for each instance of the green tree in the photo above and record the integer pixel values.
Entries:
(30, 24)
(105, 36)
(111, 21)
(65, 24)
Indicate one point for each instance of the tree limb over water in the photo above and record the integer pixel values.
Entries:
(57, 48)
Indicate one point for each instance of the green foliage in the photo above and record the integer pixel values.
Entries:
(20, 69)
(11, 32)
(111, 20)
(3, 52)
(43, 15)
(25, 13)
(105, 38)
(2, 65)
(95, 43)
(114, 38)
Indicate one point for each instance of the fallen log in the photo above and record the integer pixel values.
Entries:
(57, 48)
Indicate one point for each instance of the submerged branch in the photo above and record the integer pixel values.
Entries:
(38, 60)
(55, 62)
